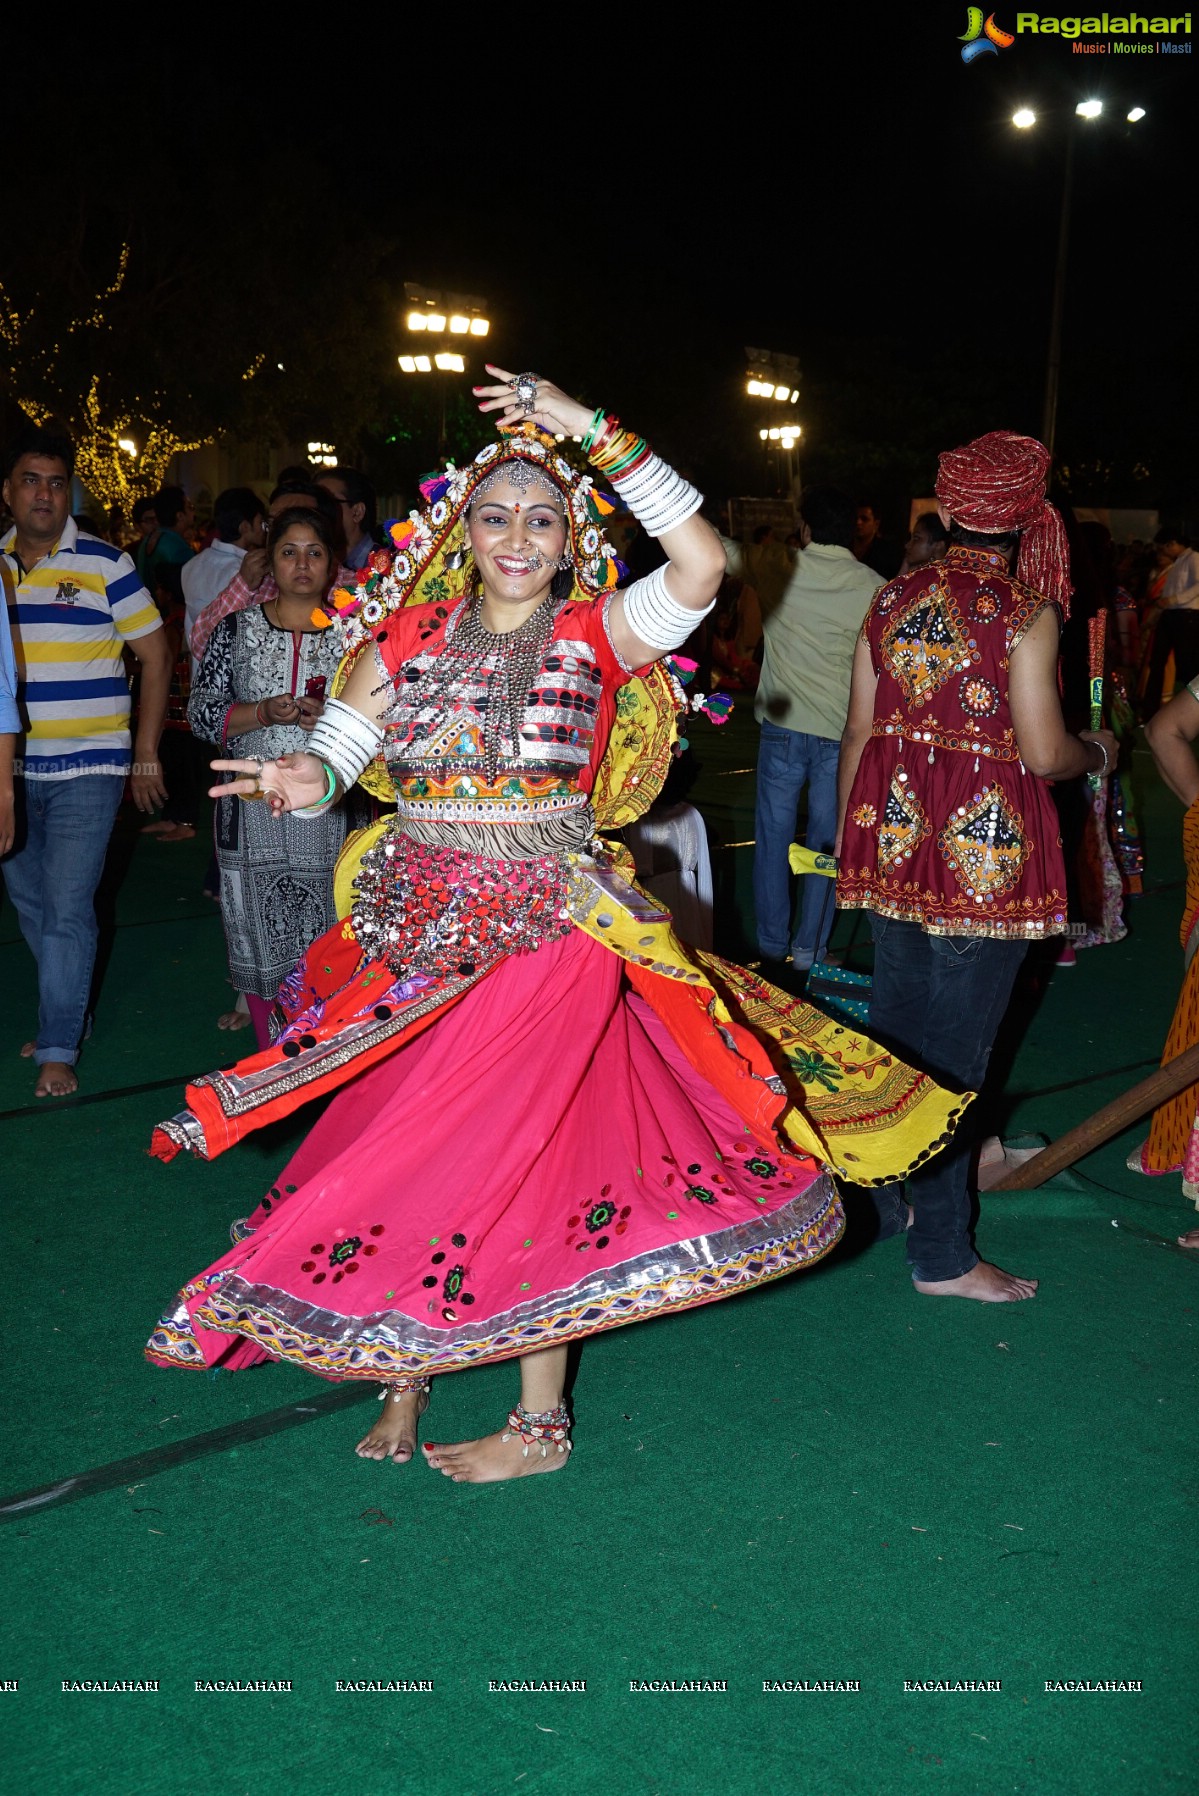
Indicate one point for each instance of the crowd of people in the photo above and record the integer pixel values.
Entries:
(427, 741)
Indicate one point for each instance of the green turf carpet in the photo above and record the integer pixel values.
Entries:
(830, 1479)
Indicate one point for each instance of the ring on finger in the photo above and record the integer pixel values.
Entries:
(525, 387)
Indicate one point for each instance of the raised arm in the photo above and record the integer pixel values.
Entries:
(657, 614)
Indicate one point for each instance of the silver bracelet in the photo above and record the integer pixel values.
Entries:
(654, 617)
(345, 740)
(1100, 773)
(658, 498)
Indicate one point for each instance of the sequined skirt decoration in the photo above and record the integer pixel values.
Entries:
(419, 907)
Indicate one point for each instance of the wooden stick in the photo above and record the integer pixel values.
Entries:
(1165, 1083)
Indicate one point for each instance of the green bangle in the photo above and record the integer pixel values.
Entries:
(330, 790)
(618, 467)
(592, 428)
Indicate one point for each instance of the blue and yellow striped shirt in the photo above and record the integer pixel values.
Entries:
(71, 615)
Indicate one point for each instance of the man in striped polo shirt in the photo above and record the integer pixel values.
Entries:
(74, 603)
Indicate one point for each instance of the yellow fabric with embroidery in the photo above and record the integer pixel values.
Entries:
(855, 1107)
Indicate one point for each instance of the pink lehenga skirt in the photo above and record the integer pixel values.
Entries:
(542, 1163)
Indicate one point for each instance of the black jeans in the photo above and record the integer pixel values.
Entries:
(938, 1001)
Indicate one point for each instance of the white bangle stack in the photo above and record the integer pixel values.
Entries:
(654, 617)
(658, 498)
(345, 740)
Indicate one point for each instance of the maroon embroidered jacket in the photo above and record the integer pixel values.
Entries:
(945, 826)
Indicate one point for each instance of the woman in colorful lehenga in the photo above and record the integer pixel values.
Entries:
(1173, 1143)
(562, 1120)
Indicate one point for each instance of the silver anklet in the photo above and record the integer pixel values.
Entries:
(401, 1387)
(543, 1428)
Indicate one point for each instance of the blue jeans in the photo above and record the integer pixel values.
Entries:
(789, 760)
(52, 878)
(938, 1001)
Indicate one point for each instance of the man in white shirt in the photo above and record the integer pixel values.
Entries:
(240, 519)
(1181, 585)
(1177, 631)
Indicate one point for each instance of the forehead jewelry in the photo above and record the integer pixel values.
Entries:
(524, 477)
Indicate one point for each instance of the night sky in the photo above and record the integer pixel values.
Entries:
(639, 201)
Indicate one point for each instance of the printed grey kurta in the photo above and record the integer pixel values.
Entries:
(276, 872)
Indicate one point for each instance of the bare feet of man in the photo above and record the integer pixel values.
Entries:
(394, 1434)
(987, 1283)
(1190, 1239)
(488, 1460)
(55, 1080)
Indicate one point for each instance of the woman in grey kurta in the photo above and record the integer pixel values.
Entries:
(260, 688)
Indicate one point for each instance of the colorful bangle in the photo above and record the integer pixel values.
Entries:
(598, 419)
(618, 455)
(322, 804)
(607, 435)
(630, 453)
(263, 723)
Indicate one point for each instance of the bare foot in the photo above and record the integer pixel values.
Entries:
(492, 1458)
(159, 827)
(178, 832)
(989, 1284)
(27, 1048)
(394, 1434)
(1190, 1239)
(233, 1019)
(55, 1080)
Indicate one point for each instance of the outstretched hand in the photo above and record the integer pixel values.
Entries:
(288, 784)
(555, 411)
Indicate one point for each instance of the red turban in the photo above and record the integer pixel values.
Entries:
(997, 483)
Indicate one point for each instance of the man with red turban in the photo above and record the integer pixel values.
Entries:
(948, 835)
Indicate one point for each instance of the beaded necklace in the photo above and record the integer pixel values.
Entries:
(518, 655)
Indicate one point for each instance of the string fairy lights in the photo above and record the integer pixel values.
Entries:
(121, 455)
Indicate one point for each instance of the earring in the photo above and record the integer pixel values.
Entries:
(564, 561)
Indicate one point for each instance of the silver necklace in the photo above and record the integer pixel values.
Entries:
(516, 657)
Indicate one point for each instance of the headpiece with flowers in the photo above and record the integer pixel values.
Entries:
(429, 562)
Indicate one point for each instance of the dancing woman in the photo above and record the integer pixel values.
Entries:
(562, 1120)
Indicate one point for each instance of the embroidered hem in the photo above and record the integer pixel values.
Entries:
(989, 928)
(701, 1270)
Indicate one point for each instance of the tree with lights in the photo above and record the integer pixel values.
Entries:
(123, 448)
